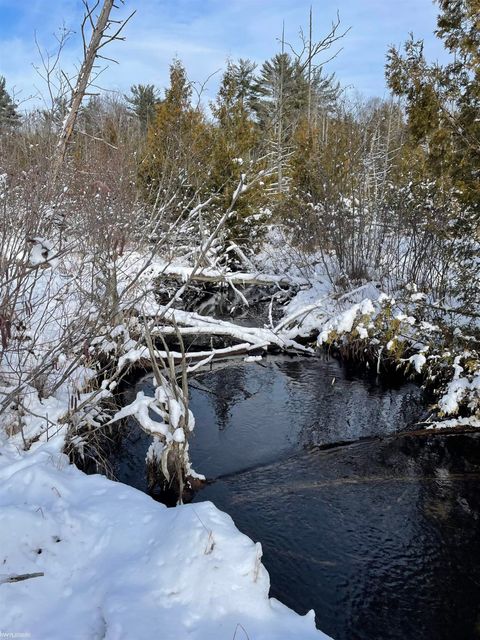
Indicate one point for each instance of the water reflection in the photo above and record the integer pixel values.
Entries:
(254, 414)
(380, 537)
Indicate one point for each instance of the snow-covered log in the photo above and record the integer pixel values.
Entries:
(172, 321)
(229, 277)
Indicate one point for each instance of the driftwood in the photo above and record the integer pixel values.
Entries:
(193, 359)
(188, 323)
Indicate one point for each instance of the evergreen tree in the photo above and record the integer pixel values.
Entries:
(443, 103)
(287, 99)
(235, 144)
(288, 77)
(176, 142)
(236, 134)
(247, 90)
(283, 90)
(9, 116)
(143, 101)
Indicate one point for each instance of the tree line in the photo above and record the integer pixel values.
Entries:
(380, 189)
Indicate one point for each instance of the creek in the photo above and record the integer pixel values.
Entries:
(374, 529)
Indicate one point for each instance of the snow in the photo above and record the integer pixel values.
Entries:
(41, 252)
(118, 565)
(179, 435)
(344, 321)
(417, 297)
(456, 391)
(402, 317)
(362, 331)
(428, 327)
(252, 359)
(453, 423)
(418, 360)
(318, 309)
(140, 409)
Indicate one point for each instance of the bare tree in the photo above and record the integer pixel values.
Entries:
(103, 31)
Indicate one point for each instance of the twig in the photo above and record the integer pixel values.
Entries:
(20, 577)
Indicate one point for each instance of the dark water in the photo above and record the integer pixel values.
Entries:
(380, 537)
(256, 413)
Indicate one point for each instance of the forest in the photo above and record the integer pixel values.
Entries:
(154, 239)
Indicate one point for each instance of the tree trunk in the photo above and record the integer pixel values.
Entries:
(80, 89)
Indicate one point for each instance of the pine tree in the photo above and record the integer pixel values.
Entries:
(247, 90)
(9, 116)
(282, 88)
(287, 99)
(143, 101)
(289, 74)
(235, 145)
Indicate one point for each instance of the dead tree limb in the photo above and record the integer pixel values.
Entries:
(99, 38)
(20, 577)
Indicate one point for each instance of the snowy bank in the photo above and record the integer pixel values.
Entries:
(117, 564)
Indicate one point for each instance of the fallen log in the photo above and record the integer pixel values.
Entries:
(200, 358)
(229, 277)
(189, 323)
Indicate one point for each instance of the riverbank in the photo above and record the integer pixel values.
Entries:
(70, 405)
(128, 566)
(109, 562)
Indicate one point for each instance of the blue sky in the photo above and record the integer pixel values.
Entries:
(205, 33)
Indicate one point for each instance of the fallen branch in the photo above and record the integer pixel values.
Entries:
(230, 277)
(20, 577)
(143, 355)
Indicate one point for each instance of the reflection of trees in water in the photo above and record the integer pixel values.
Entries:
(338, 404)
(226, 387)
(309, 394)
(293, 369)
(234, 384)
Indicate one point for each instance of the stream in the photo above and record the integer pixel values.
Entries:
(378, 534)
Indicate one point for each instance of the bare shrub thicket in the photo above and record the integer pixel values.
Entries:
(75, 294)
(358, 200)
(61, 244)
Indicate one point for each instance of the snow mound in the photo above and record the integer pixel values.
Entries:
(118, 565)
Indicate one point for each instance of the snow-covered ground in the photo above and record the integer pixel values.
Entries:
(113, 563)
(116, 564)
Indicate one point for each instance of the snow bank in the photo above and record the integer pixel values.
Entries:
(118, 565)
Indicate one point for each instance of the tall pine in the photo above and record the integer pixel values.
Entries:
(9, 116)
(235, 150)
